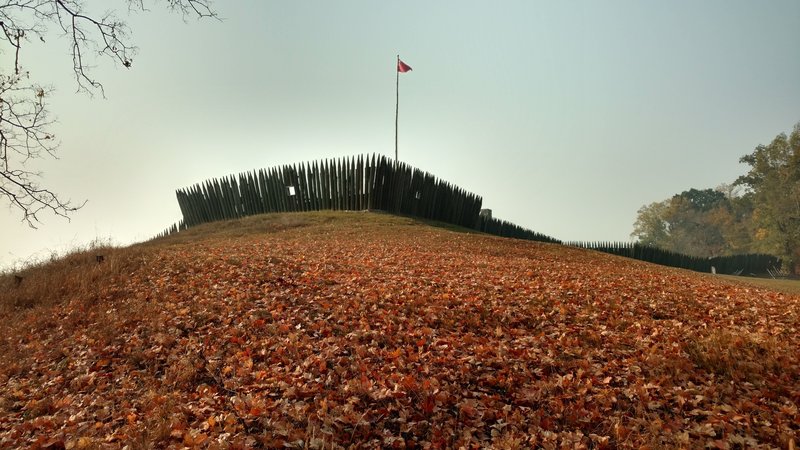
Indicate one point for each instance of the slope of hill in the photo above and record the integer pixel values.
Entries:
(359, 330)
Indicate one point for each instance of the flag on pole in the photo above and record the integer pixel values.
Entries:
(402, 67)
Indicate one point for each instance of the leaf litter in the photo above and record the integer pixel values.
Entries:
(369, 336)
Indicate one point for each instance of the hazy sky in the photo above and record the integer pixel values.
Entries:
(566, 117)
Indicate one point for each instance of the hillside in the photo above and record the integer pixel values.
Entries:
(361, 330)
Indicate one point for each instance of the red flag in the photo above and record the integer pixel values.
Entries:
(402, 67)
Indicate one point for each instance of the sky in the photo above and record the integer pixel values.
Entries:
(566, 117)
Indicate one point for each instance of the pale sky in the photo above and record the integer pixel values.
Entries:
(566, 117)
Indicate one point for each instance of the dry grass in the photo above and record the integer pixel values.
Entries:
(85, 274)
(780, 285)
(62, 295)
(272, 223)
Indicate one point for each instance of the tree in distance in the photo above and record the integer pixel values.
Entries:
(693, 222)
(759, 213)
(25, 121)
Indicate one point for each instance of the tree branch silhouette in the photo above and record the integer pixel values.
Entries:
(25, 122)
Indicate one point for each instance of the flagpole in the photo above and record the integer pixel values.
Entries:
(396, 106)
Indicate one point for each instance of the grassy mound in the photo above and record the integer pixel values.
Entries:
(360, 330)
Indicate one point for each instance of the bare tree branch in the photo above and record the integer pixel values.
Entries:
(24, 135)
(24, 120)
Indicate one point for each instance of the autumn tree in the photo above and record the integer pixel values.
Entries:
(651, 227)
(26, 125)
(764, 218)
(692, 230)
(774, 183)
(734, 221)
(697, 222)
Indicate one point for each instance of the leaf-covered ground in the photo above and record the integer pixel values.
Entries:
(368, 331)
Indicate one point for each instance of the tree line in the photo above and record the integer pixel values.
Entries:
(758, 213)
